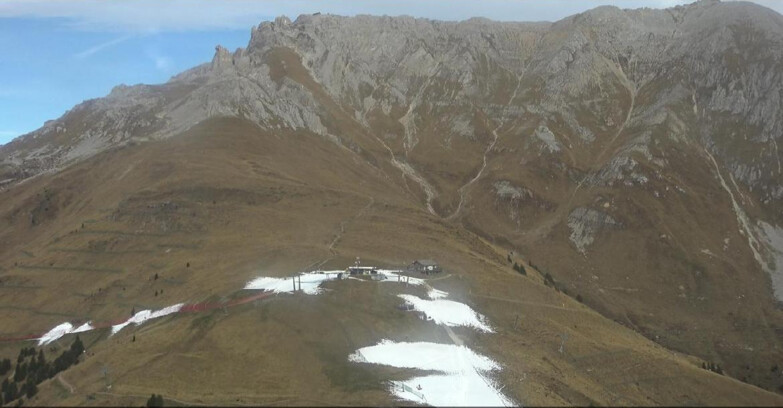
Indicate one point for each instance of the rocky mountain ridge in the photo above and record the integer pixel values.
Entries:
(610, 145)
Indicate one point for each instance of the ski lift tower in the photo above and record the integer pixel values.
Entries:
(563, 338)
(106, 378)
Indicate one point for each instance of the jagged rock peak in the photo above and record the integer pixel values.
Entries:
(282, 21)
(222, 58)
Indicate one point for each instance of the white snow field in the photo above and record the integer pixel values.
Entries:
(394, 276)
(437, 294)
(310, 282)
(463, 382)
(390, 275)
(61, 330)
(144, 315)
(449, 312)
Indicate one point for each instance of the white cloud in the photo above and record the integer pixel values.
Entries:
(178, 15)
(163, 63)
(92, 50)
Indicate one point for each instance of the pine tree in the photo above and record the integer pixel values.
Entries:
(30, 389)
(155, 401)
(78, 346)
(10, 392)
(549, 280)
(20, 373)
(5, 366)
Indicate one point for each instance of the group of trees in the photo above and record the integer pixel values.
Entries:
(5, 366)
(155, 401)
(32, 369)
(517, 267)
(715, 368)
(548, 279)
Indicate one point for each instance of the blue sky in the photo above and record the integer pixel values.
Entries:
(57, 53)
(46, 66)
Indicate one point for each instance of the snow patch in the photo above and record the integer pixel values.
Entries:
(309, 283)
(394, 276)
(61, 330)
(54, 334)
(463, 382)
(83, 328)
(144, 315)
(437, 294)
(449, 312)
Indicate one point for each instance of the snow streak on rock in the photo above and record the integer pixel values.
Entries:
(772, 237)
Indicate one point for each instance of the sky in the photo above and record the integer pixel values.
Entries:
(55, 54)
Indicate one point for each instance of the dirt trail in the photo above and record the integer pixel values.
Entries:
(186, 403)
(544, 228)
(407, 119)
(538, 304)
(463, 191)
(280, 400)
(631, 90)
(65, 384)
(597, 162)
(340, 231)
(453, 336)
(742, 218)
(409, 171)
